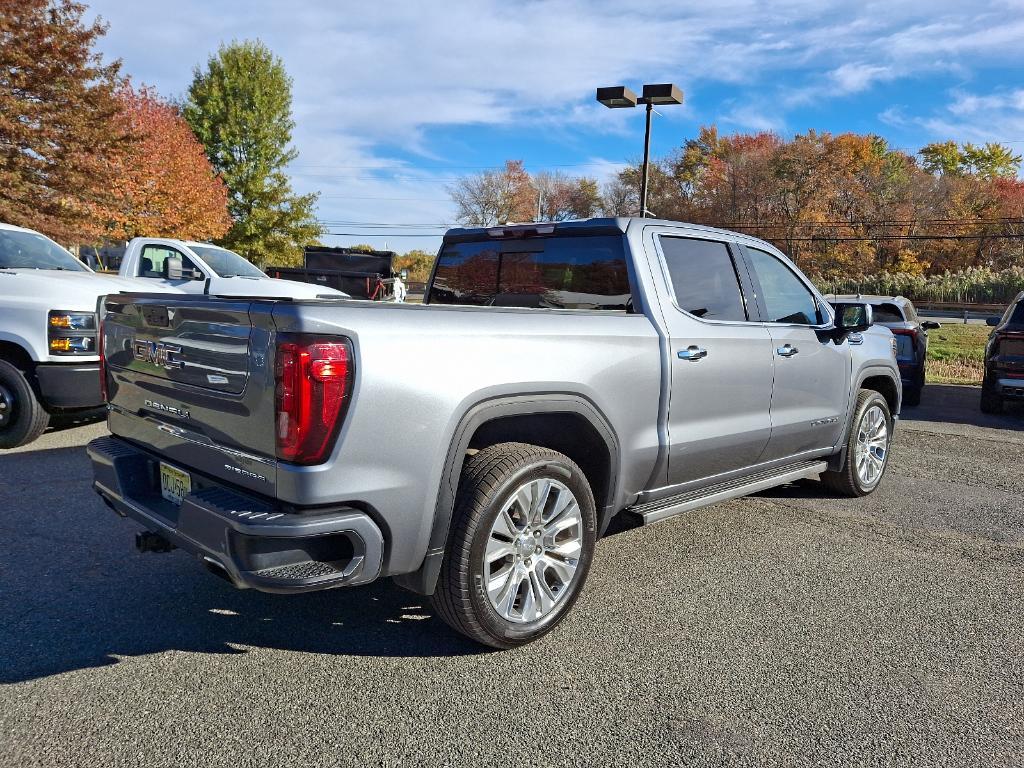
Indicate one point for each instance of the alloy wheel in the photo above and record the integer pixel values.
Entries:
(872, 449)
(533, 551)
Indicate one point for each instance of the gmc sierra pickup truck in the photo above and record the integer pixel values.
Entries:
(475, 447)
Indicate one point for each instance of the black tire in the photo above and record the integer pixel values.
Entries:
(489, 480)
(912, 396)
(845, 481)
(990, 401)
(23, 419)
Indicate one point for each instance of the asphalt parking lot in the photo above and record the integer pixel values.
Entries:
(788, 628)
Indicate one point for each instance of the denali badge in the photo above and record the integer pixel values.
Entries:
(158, 353)
(245, 473)
(179, 412)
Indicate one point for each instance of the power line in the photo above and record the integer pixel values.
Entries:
(388, 235)
(497, 167)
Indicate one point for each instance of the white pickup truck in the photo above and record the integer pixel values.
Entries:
(193, 267)
(49, 362)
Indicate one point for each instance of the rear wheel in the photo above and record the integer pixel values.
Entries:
(990, 401)
(22, 417)
(523, 535)
(867, 448)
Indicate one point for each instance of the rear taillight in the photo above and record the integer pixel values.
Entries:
(313, 378)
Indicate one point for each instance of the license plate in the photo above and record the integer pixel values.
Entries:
(175, 485)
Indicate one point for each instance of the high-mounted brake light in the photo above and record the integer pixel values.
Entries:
(313, 383)
(521, 230)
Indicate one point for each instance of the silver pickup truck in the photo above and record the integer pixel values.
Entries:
(475, 447)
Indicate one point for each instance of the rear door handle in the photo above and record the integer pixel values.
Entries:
(693, 353)
(786, 350)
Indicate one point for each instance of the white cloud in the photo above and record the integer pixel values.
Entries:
(853, 78)
(373, 77)
(997, 116)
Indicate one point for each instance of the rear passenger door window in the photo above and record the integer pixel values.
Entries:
(785, 296)
(704, 278)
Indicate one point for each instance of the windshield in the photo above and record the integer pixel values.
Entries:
(226, 263)
(30, 250)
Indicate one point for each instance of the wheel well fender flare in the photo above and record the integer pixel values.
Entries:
(837, 459)
(424, 579)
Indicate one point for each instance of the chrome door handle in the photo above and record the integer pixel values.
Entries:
(786, 350)
(693, 353)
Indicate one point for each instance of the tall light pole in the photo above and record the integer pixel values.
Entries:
(619, 97)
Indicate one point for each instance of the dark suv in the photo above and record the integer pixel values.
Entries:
(897, 313)
(1004, 359)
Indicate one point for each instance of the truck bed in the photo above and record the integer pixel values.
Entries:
(418, 370)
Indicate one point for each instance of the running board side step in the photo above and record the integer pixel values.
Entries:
(653, 511)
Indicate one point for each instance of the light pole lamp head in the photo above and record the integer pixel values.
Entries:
(662, 93)
(616, 97)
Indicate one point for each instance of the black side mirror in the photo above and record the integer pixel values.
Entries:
(853, 317)
(992, 322)
(931, 325)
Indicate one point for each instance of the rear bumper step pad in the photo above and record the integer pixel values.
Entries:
(252, 542)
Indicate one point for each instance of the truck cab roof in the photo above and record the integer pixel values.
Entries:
(602, 225)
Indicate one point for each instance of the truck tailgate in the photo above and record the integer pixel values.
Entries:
(188, 378)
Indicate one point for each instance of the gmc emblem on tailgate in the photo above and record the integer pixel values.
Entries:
(158, 353)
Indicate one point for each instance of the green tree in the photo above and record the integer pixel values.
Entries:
(989, 161)
(240, 109)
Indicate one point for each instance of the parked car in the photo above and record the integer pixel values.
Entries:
(897, 313)
(476, 446)
(1004, 359)
(49, 361)
(204, 268)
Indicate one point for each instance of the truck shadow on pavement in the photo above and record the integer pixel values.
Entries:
(75, 594)
(953, 404)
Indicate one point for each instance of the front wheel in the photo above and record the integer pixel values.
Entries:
(22, 417)
(523, 536)
(867, 448)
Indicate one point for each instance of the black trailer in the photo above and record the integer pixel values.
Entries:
(360, 274)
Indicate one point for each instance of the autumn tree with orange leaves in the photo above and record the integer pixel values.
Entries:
(84, 157)
(164, 186)
(843, 205)
(57, 100)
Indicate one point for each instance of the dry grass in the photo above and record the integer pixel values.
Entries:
(956, 354)
(955, 372)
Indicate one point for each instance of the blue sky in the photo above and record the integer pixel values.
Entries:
(394, 100)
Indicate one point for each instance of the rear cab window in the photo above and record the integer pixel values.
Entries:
(1016, 313)
(887, 313)
(559, 272)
